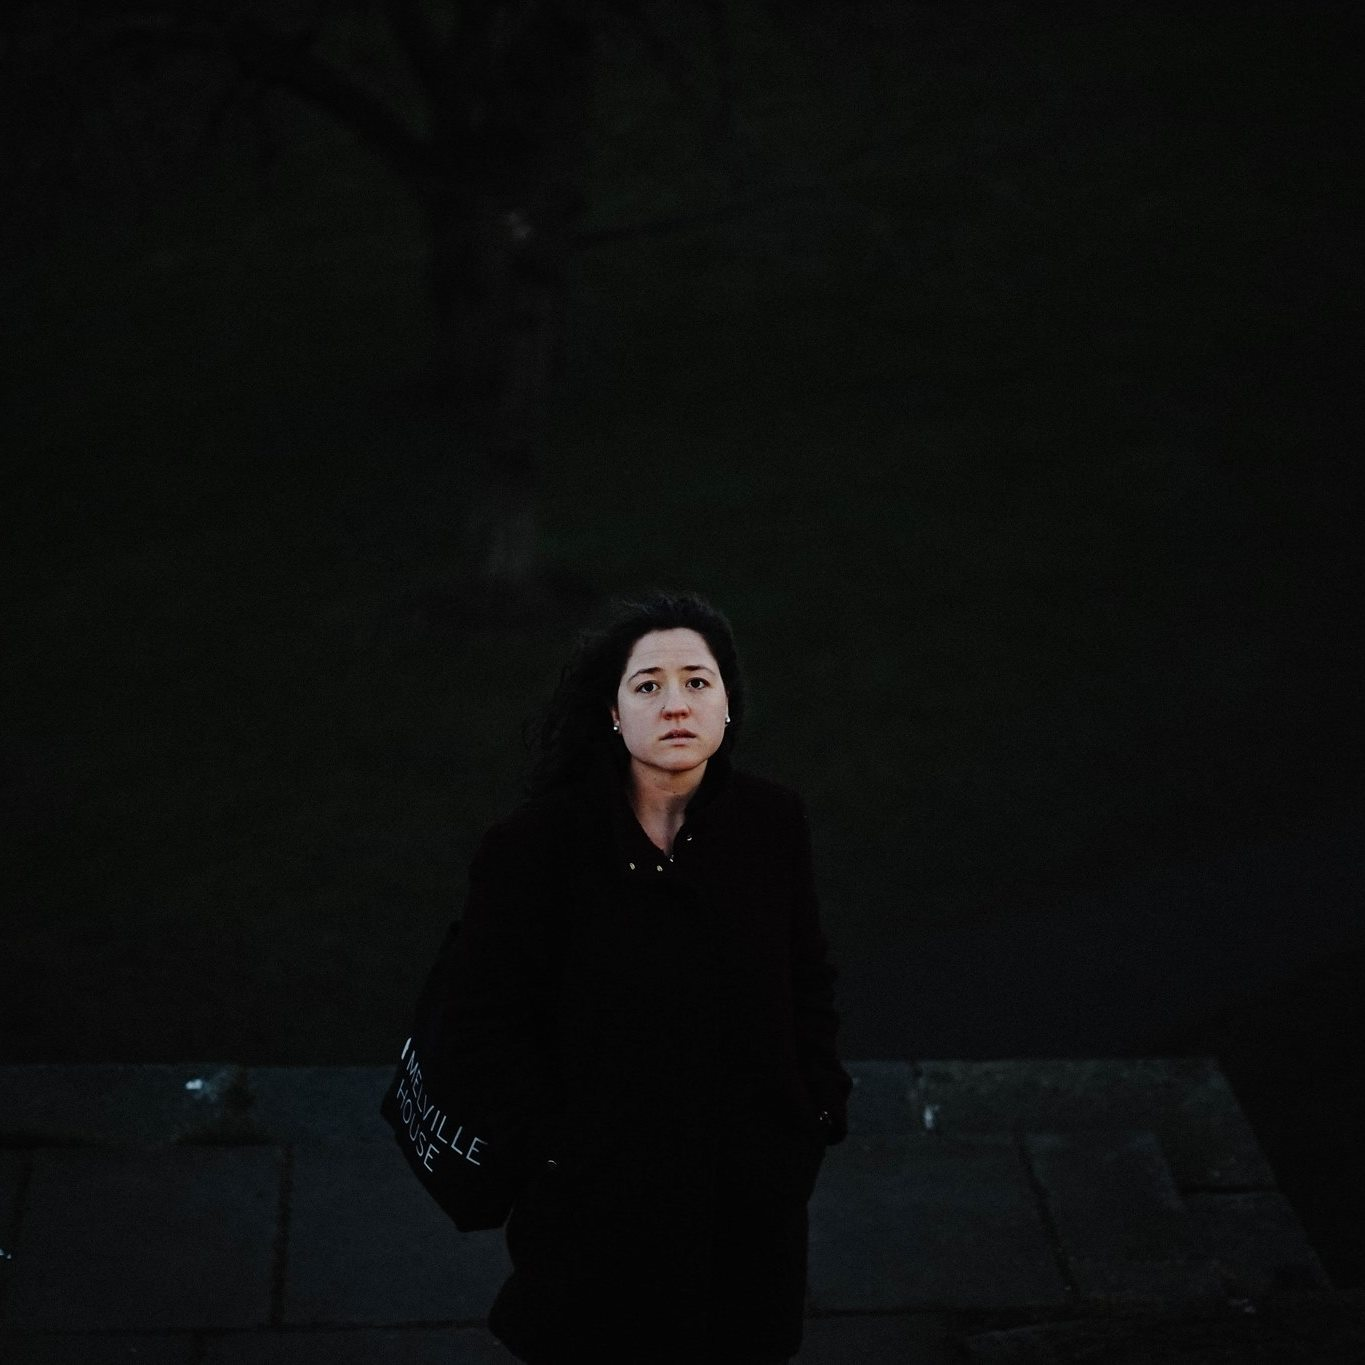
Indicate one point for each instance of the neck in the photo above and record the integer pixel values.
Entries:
(660, 799)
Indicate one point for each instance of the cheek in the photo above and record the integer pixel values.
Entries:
(635, 712)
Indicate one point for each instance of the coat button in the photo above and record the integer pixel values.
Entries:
(631, 866)
(552, 1165)
(658, 867)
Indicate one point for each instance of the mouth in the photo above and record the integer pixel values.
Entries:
(680, 734)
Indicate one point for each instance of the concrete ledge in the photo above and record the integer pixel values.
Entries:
(14, 1173)
(1185, 1101)
(306, 1104)
(215, 1102)
(97, 1105)
(230, 1216)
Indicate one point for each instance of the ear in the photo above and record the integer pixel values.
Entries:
(615, 714)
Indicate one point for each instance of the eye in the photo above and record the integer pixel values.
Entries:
(648, 686)
(696, 684)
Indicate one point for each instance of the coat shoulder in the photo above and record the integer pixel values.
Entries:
(756, 807)
(516, 833)
(537, 832)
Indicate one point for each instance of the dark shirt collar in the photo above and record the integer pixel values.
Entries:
(630, 844)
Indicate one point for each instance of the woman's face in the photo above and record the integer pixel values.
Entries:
(671, 703)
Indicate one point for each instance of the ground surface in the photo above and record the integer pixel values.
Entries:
(1010, 1213)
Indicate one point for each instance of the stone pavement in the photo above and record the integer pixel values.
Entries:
(1002, 1213)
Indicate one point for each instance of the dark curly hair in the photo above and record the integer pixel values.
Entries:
(574, 731)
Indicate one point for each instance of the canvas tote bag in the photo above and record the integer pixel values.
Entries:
(440, 1127)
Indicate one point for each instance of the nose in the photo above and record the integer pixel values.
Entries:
(675, 701)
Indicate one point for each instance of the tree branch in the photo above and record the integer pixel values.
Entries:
(291, 64)
(287, 62)
(418, 40)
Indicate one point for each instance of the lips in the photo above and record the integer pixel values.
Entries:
(680, 734)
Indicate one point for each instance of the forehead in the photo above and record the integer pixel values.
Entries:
(670, 649)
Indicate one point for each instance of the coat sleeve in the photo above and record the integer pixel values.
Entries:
(502, 979)
(813, 975)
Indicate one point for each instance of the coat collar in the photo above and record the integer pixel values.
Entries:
(632, 850)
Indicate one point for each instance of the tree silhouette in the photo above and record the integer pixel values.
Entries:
(487, 131)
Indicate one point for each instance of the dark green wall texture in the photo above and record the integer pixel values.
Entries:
(987, 362)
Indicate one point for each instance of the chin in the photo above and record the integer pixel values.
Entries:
(676, 763)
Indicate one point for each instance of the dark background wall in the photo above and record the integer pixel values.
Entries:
(989, 363)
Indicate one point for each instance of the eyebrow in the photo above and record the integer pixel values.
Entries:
(686, 668)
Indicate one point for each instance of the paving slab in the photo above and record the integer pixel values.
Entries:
(964, 1187)
(1257, 1242)
(1185, 1101)
(145, 1240)
(1308, 1331)
(1119, 1219)
(900, 1339)
(368, 1245)
(364, 1346)
(900, 1224)
(32, 1348)
(882, 1098)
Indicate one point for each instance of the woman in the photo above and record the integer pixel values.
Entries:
(645, 1008)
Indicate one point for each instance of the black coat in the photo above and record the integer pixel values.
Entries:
(654, 1039)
